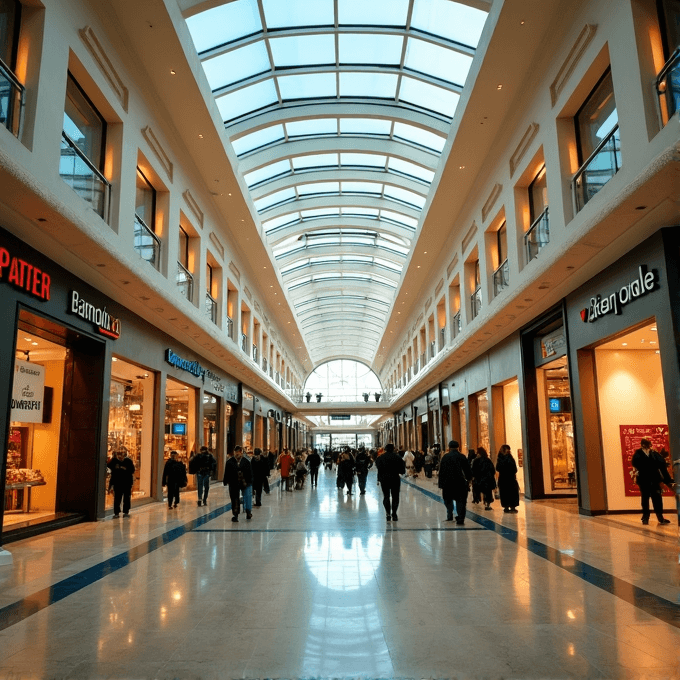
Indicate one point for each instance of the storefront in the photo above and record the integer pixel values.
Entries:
(623, 353)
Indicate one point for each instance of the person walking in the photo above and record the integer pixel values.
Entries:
(472, 456)
(454, 481)
(346, 471)
(362, 465)
(483, 477)
(286, 462)
(260, 467)
(651, 472)
(508, 488)
(238, 476)
(408, 462)
(313, 463)
(174, 478)
(122, 477)
(390, 468)
(204, 465)
(428, 464)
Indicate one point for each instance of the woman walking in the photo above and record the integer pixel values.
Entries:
(483, 477)
(507, 480)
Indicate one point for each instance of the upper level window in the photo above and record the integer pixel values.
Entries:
(538, 234)
(11, 90)
(598, 141)
(668, 80)
(185, 280)
(501, 277)
(82, 148)
(10, 18)
(147, 244)
(538, 195)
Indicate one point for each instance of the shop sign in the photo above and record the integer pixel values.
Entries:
(341, 417)
(613, 303)
(192, 367)
(24, 276)
(553, 343)
(28, 391)
(98, 316)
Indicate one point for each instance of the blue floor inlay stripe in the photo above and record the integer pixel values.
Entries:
(655, 605)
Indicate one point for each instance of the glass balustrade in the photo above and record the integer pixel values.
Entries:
(668, 86)
(211, 307)
(185, 282)
(501, 278)
(476, 302)
(456, 325)
(147, 244)
(538, 236)
(11, 100)
(600, 167)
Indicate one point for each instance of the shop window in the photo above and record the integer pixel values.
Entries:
(481, 401)
(538, 234)
(185, 279)
(476, 296)
(11, 90)
(131, 419)
(598, 141)
(668, 79)
(501, 276)
(147, 243)
(83, 140)
(180, 423)
(210, 286)
(211, 429)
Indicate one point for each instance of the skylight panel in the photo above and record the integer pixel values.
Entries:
(317, 160)
(396, 239)
(276, 222)
(382, 243)
(448, 19)
(255, 140)
(362, 187)
(318, 188)
(385, 281)
(280, 14)
(370, 48)
(312, 127)
(319, 212)
(428, 96)
(298, 264)
(303, 50)
(277, 197)
(247, 99)
(382, 85)
(224, 24)
(307, 86)
(388, 265)
(356, 211)
(366, 159)
(324, 259)
(419, 136)
(437, 61)
(407, 168)
(400, 218)
(400, 194)
(236, 65)
(267, 172)
(365, 126)
(373, 13)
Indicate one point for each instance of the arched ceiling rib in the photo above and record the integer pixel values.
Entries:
(338, 113)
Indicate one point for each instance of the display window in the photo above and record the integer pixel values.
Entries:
(632, 406)
(462, 420)
(180, 424)
(482, 404)
(557, 427)
(513, 425)
(131, 415)
(211, 428)
(247, 430)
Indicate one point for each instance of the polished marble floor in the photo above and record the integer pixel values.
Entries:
(318, 585)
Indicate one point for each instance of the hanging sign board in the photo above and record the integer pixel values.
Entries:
(28, 391)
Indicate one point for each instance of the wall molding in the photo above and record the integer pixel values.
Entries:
(522, 147)
(98, 53)
(234, 270)
(217, 243)
(452, 264)
(247, 292)
(193, 206)
(440, 285)
(491, 201)
(467, 239)
(159, 152)
(575, 53)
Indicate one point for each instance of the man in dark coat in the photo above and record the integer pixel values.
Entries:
(174, 477)
(390, 468)
(454, 480)
(651, 471)
(203, 465)
(122, 477)
(362, 465)
(238, 476)
(260, 466)
(313, 463)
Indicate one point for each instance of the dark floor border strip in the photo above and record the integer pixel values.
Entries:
(317, 531)
(650, 603)
(32, 604)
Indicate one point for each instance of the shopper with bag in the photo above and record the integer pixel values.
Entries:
(651, 473)
(238, 476)
(174, 478)
(507, 479)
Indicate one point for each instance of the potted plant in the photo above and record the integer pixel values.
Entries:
(318, 396)
(377, 396)
(308, 396)
(365, 396)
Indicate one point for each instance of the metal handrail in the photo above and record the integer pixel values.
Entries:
(244, 342)
(476, 301)
(675, 57)
(230, 326)
(543, 218)
(157, 241)
(595, 152)
(11, 121)
(211, 306)
(662, 84)
(85, 159)
(189, 278)
(10, 76)
(501, 277)
(456, 324)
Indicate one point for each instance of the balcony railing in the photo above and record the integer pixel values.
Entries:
(210, 307)
(230, 327)
(416, 366)
(277, 377)
(600, 167)
(83, 177)
(264, 364)
(423, 359)
(538, 236)
(409, 374)
(668, 86)
(147, 244)
(244, 342)
(255, 353)
(476, 302)
(433, 349)
(185, 282)
(442, 337)
(11, 100)
(501, 278)
(271, 371)
(456, 325)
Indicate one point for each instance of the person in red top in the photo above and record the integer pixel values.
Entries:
(286, 461)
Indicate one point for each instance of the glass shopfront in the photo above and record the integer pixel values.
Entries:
(481, 400)
(131, 408)
(180, 423)
(211, 428)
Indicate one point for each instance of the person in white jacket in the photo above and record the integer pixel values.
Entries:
(408, 461)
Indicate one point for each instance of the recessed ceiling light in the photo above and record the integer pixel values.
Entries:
(28, 339)
(34, 344)
(461, 167)
(499, 87)
(657, 351)
(114, 359)
(173, 72)
(624, 344)
(200, 136)
(653, 328)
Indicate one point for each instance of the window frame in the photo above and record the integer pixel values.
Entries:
(141, 174)
(579, 142)
(14, 38)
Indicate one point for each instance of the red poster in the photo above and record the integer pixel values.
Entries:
(630, 442)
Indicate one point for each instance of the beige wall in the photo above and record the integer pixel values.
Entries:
(513, 422)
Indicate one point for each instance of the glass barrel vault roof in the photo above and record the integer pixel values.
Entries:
(338, 112)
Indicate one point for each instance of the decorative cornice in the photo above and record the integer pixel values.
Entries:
(94, 47)
(452, 264)
(491, 201)
(522, 147)
(193, 206)
(467, 239)
(235, 271)
(158, 150)
(575, 53)
(247, 292)
(440, 285)
(217, 243)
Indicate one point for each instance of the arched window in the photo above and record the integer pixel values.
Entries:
(343, 380)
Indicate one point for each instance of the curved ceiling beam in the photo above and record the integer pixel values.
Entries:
(345, 267)
(342, 109)
(323, 319)
(339, 282)
(353, 310)
(335, 249)
(309, 226)
(314, 202)
(314, 145)
(344, 174)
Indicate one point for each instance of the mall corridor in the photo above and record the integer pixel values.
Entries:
(318, 585)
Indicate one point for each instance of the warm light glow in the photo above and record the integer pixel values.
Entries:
(571, 615)
(573, 157)
(177, 596)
